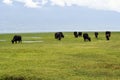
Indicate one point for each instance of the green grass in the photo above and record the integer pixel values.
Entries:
(68, 59)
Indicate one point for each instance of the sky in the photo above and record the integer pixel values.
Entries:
(59, 15)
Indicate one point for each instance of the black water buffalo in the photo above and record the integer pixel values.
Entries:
(79, 34)
(107, 35)
(86, 37)
(96, 34)
(75, 34)
(16, 39)
(59, 35)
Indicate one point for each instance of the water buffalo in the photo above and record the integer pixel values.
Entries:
(96, 34)
(59, 35)
(75, 34)
(107, 35)
(79, 34)
(86, 37)
(16, 39)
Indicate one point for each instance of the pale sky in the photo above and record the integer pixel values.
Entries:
(59, 15)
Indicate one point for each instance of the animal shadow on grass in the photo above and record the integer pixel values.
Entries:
(12, 78)
(6, 77)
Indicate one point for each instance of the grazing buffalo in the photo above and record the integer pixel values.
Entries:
(16, 39)
(96, 34)
(59, 35)
(86, 37)
(75, 34)
(79, 34)
(107, 34)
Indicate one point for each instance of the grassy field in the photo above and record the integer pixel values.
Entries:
(41, 57)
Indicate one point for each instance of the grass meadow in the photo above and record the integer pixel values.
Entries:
(41, 57)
